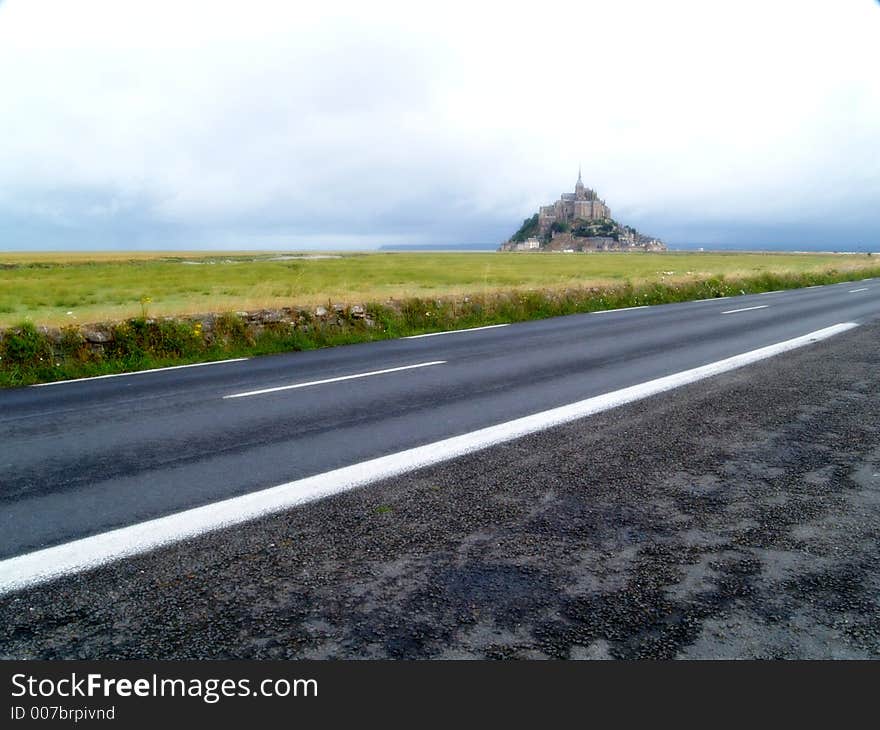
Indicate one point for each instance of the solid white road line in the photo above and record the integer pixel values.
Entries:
(42, 565)
(745, 309)
(853, 291)
(142, 372)
(710, 299)
(622, 309)
(455, 332)
(334, 380)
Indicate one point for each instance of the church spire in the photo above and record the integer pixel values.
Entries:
(579, 175)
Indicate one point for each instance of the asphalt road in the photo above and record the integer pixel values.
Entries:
(80, 458)
(738, 516)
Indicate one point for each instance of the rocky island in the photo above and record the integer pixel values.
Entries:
(578, 221)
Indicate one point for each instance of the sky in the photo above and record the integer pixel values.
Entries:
(238, 125)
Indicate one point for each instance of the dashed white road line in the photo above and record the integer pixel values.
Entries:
(455, 332)
(309, 384)
(854, 291)
(746, 309)
(72, 557)
(621, 309)
(142, 372)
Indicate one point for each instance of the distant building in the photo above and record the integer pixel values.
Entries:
(530, 244)
(583, 204)
(578, 221)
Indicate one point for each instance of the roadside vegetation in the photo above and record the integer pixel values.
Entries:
(148, 305)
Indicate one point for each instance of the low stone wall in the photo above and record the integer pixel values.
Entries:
(101, 335)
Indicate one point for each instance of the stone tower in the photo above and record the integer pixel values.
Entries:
(579, 192)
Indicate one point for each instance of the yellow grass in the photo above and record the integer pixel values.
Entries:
(60, 288)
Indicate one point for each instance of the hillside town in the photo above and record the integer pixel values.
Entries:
(578, 222)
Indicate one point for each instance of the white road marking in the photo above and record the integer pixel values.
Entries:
(815, 286)
(745, 309)
(776, 291)
(455, 332)
(334, 380)
(853, 291)
(710, 299)
(89, 552)
(622, 309)
(141, 372)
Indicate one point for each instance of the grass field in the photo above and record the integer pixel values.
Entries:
(65, 288)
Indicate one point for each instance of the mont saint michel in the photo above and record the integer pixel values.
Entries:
(578, 221)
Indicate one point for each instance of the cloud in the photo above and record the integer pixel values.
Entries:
(263, 123)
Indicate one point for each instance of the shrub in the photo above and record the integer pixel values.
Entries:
(170, 338)
(127, 341)
(25, 345)
(72, 345)
(230, 330)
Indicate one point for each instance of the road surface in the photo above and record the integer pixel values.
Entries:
(79, 459)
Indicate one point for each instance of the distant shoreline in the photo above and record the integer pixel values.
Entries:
(441, 248)
(672, 248)
(395, 248)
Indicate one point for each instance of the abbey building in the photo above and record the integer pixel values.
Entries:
(582, 204)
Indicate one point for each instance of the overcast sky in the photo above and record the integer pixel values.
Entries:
(184, 123)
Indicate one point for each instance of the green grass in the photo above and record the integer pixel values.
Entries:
(430, 292)
(58, 289)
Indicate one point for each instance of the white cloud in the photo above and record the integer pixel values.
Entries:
(374, 119)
